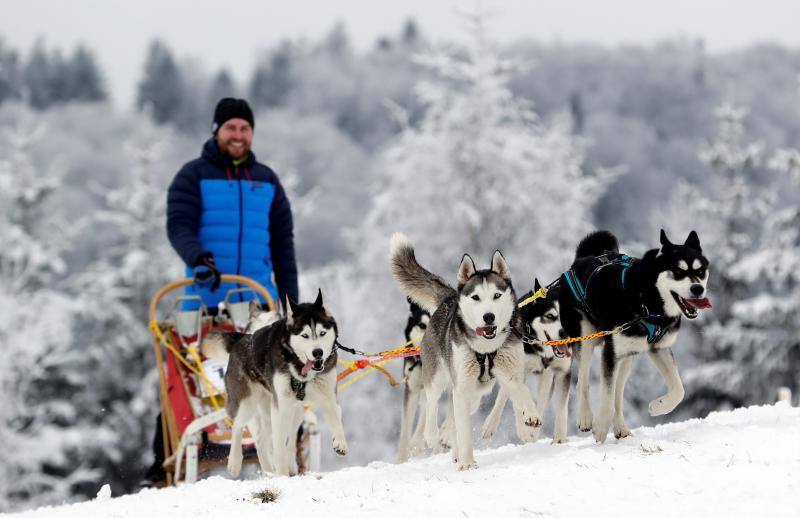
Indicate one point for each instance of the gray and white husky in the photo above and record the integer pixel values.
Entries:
(272, 374)
(540, 319)
(472, 339)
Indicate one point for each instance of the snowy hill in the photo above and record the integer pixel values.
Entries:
(740, 463)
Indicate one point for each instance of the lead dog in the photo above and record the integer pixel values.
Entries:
(471, 340)
(604, 289)
(272, 374)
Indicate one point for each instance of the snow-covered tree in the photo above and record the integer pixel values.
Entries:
(749, 343)
(34, 328)
(111, 302)
(481, 171)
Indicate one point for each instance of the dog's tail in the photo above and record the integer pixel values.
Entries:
(597, 243)
(217, 344)
(423, 287)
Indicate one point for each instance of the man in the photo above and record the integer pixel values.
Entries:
(228, 213)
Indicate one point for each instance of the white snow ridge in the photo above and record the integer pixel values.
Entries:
(744, 462)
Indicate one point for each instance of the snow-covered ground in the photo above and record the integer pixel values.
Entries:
(740, 463)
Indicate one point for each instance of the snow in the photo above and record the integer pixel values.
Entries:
(743, 462)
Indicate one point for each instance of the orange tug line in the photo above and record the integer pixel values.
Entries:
(394, 354)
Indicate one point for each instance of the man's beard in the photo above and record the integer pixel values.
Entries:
(236, 153)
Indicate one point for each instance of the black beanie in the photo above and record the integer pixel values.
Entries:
(230, 108)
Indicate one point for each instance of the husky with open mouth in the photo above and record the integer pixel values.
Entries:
(604, 289)
(272, 374)
(541, 321)
(473, 338)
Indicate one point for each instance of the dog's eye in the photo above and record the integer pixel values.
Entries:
(497, 296)
(475, 297)
(304, 335)
(422, 326)
(323, 333)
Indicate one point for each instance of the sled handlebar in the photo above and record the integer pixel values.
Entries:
(236, 279)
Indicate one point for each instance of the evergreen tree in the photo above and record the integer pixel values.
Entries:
(272, 80)
(37, 76)
(10, 73)
(161, 88)
(221, 86)
(83, 78)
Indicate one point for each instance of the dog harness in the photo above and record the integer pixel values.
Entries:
(654, 332)
(486, 361)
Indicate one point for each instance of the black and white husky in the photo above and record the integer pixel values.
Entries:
(604, 289)
(413, 395)
(472, 339)
(540, 319)
(272, 374)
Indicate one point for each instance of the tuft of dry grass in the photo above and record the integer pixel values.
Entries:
(267, 495)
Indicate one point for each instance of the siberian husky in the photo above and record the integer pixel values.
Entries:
(605, 289)
(473, 338)
(271, 374)
(540, 319)
(413, 396)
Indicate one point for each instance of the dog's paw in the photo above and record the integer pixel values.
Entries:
(559, 439)
(621, 430)
(234, 466)
(432, 440)
(527, 433)
(340, 446)
(464, 466)
(600, 430)
(490, 427)
(534, 421)
(585, 421)
(622, 433)
(661, 406)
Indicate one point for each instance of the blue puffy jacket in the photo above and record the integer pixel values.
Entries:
(238, 213)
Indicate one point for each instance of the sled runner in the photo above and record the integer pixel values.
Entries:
(192, 388)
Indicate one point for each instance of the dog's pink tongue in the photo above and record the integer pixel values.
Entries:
(306, 368)
(480, 331)
(703, 303)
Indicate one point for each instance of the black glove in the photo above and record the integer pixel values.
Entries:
(205, 272)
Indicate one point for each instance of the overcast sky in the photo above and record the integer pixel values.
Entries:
(231, 33)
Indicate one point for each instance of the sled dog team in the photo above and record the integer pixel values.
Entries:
(471, 336)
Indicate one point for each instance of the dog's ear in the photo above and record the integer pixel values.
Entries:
(536, 285)
(255, 308)
(499, 266)
(693, 241)
(318, 303)
(291, 307)
(465, 270)
(664, 239)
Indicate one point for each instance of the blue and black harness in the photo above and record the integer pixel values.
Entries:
(624, 262)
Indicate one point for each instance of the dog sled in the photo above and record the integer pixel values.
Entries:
(195, 426)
